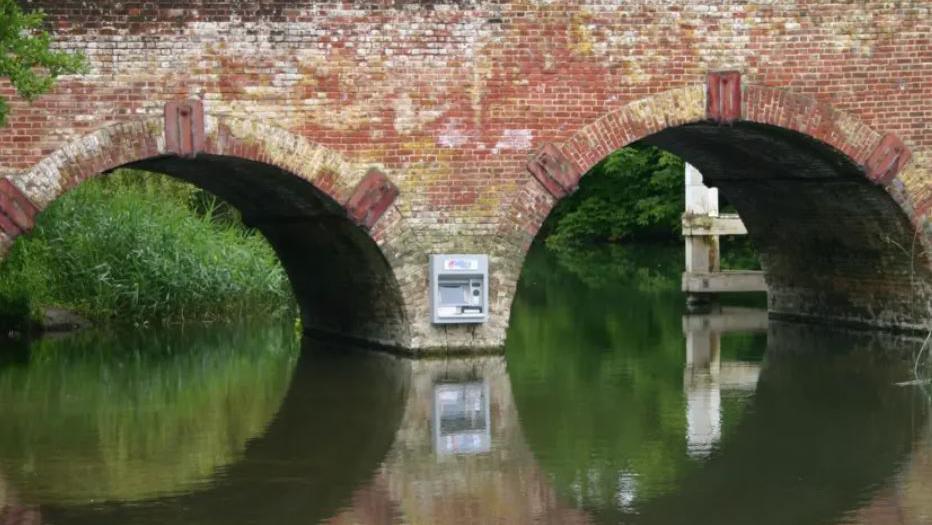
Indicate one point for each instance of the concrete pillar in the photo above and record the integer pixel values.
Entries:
(702, 251)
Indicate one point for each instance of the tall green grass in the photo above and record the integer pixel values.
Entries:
(142, 248)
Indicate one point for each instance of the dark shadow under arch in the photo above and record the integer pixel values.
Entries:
(320, 212)
(833, 244)
(835, 206)
(342, 282)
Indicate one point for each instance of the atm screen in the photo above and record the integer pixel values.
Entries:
(453, 293)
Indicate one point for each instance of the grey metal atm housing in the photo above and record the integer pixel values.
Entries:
(459, 288)
(461, 418)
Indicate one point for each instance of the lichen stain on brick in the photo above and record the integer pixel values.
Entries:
(411, 116)
(850, 130)
(329, 90)
(580, 34)
(454, 134)
(515, 140)
(917, 183)
(294, 153)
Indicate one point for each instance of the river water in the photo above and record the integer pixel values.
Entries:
(610, 405)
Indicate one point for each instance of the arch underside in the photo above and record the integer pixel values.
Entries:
(835, 246)
(341, 280)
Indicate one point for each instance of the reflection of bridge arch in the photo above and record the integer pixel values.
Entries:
(327, 454)
(83, 421)
(825, 430)
(761, 473)
(334, 427)
(611, 429)
(13, 511)
(426, 479)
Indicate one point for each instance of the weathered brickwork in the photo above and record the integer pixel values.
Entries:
(826, 142)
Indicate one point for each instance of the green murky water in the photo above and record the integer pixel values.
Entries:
(611, 405)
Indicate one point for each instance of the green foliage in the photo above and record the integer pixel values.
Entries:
(739, 253)
(634, 193)
(26, 57)
(130, 246)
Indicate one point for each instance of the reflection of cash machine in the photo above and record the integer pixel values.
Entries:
(461, 418)
(459, 288)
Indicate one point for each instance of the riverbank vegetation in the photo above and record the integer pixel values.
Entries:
(141, 248)
(635, 195)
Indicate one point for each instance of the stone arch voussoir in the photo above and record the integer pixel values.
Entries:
(364, 192)
(557, 167)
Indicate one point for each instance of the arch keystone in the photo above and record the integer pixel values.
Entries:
(184, 128)
(371, 198)
(555, 171)
(887, 159)
(723, 96)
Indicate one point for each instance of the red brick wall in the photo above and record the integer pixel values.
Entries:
(450, 100)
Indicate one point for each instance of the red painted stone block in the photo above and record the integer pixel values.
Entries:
(371, 198)
(554, 171)
(17, 212)
(887, 159)
(723, 100)
(184, 127)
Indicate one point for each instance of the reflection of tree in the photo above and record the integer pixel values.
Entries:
(646, 268)
(332, 430)
(596, 366)
(121, 417)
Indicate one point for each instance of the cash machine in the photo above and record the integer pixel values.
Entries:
(459, 288)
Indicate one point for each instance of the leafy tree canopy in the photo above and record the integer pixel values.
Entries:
(635, 193)
(26, 57)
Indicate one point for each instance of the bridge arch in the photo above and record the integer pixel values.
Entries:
(839, 210)
(326, 217)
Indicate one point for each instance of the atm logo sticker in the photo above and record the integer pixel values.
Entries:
(460, 264)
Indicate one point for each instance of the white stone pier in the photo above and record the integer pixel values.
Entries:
(702, 226)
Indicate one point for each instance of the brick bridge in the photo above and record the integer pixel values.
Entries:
(362, 136)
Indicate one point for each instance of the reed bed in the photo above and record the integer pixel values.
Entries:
(141, 248)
